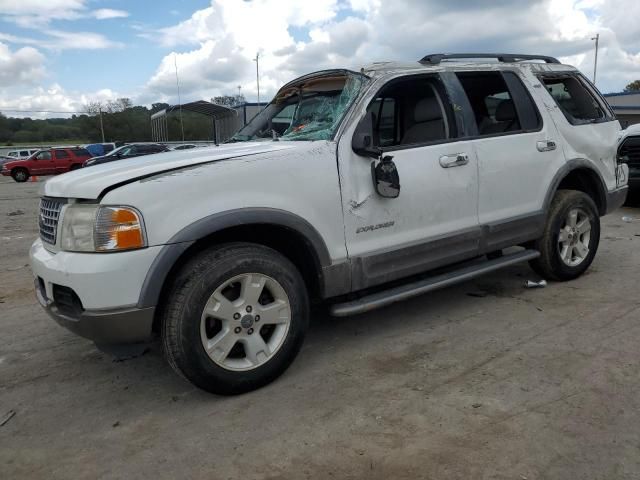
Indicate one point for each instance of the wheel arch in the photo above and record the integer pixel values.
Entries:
(285, 232)
(579, 174)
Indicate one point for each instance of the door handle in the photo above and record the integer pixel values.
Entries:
(455, 160)
(546, 145)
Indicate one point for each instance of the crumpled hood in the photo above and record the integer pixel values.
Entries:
(89, 183)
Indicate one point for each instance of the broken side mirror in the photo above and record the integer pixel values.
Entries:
(364, 141)
(386, 180)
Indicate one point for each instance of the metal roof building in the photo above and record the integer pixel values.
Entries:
(225, 121)
(626, 106)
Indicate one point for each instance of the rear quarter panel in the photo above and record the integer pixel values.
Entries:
(596, 142)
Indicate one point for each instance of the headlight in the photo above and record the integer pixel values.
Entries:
(97, 228)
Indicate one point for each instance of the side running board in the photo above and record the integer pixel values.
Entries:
(403, 292)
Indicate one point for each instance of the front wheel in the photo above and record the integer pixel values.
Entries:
(571, 237)
(236, 318)
(20, 175)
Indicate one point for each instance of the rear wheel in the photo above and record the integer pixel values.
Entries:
(235, 319)
(20, 175)
(571, 237)
(75, 166)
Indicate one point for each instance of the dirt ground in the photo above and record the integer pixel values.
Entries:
(485, 380)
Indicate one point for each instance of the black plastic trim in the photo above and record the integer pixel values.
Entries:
(385, 266)
(406, 291)
(616, 198)
(567, 168)
(181, 241)
(436, 58)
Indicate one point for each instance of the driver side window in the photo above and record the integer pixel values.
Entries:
(44, 156)
(412, 111)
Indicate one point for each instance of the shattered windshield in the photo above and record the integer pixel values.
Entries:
(311, 110)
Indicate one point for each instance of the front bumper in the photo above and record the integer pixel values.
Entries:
(104, 327)
(95, 295)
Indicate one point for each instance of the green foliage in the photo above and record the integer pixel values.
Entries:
(122, 121)
(633, 86)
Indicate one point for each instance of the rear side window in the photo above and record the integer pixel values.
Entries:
(81, 152)
(576, 100)
(500, 102)
(61, 154)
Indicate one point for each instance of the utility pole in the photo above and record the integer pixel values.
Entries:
(595, 63)
(101, 124)
(175, 62)
(257, 60)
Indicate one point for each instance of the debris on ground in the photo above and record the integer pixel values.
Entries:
(532, 284)
(477, 294)
(19, 267)
(15, 212)
(117, 424)
(476, 405)
(10, 414)
(627, 219)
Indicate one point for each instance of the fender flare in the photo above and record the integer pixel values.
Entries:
(568, 167)
(185, 238)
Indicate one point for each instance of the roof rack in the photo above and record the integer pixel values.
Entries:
(436, 58)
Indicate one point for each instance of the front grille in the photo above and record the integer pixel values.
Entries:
(48, 219)
(630, 148)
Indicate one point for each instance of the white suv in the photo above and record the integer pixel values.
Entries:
(380, 185)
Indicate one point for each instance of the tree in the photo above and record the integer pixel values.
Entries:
(229, 100)
(633, 86)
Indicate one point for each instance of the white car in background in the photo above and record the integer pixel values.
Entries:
(22, 153)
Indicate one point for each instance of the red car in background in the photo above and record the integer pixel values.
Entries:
(46, 162)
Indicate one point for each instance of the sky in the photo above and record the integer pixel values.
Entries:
(58, 55)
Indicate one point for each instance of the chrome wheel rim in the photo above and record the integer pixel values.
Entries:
(245, 322)
(574, 237)
(21, 175)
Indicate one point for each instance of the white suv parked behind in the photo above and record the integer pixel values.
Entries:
(421, 174)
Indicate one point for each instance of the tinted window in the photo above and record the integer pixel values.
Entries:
(81, 152)
(411, 111)
(578, 104)
(491, 101)
(61, 154)
(24, 153)
(128, 151)
(107, 147)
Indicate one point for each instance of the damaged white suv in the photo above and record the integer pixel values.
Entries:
(355, 188)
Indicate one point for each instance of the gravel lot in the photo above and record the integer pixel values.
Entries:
(483, 380)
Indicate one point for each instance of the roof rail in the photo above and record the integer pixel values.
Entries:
(436, 58)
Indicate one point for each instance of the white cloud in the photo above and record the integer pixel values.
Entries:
(106, 13)
(53, 98)
(25, 65)
(63, 40)
(35, 13)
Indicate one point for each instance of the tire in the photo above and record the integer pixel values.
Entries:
(20, 175)
(236, 365)
(75, 166)
(563, 253)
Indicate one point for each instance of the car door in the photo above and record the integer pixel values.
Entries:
(42, 164)
(62, 160)
(518, 155)
(434, 220)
